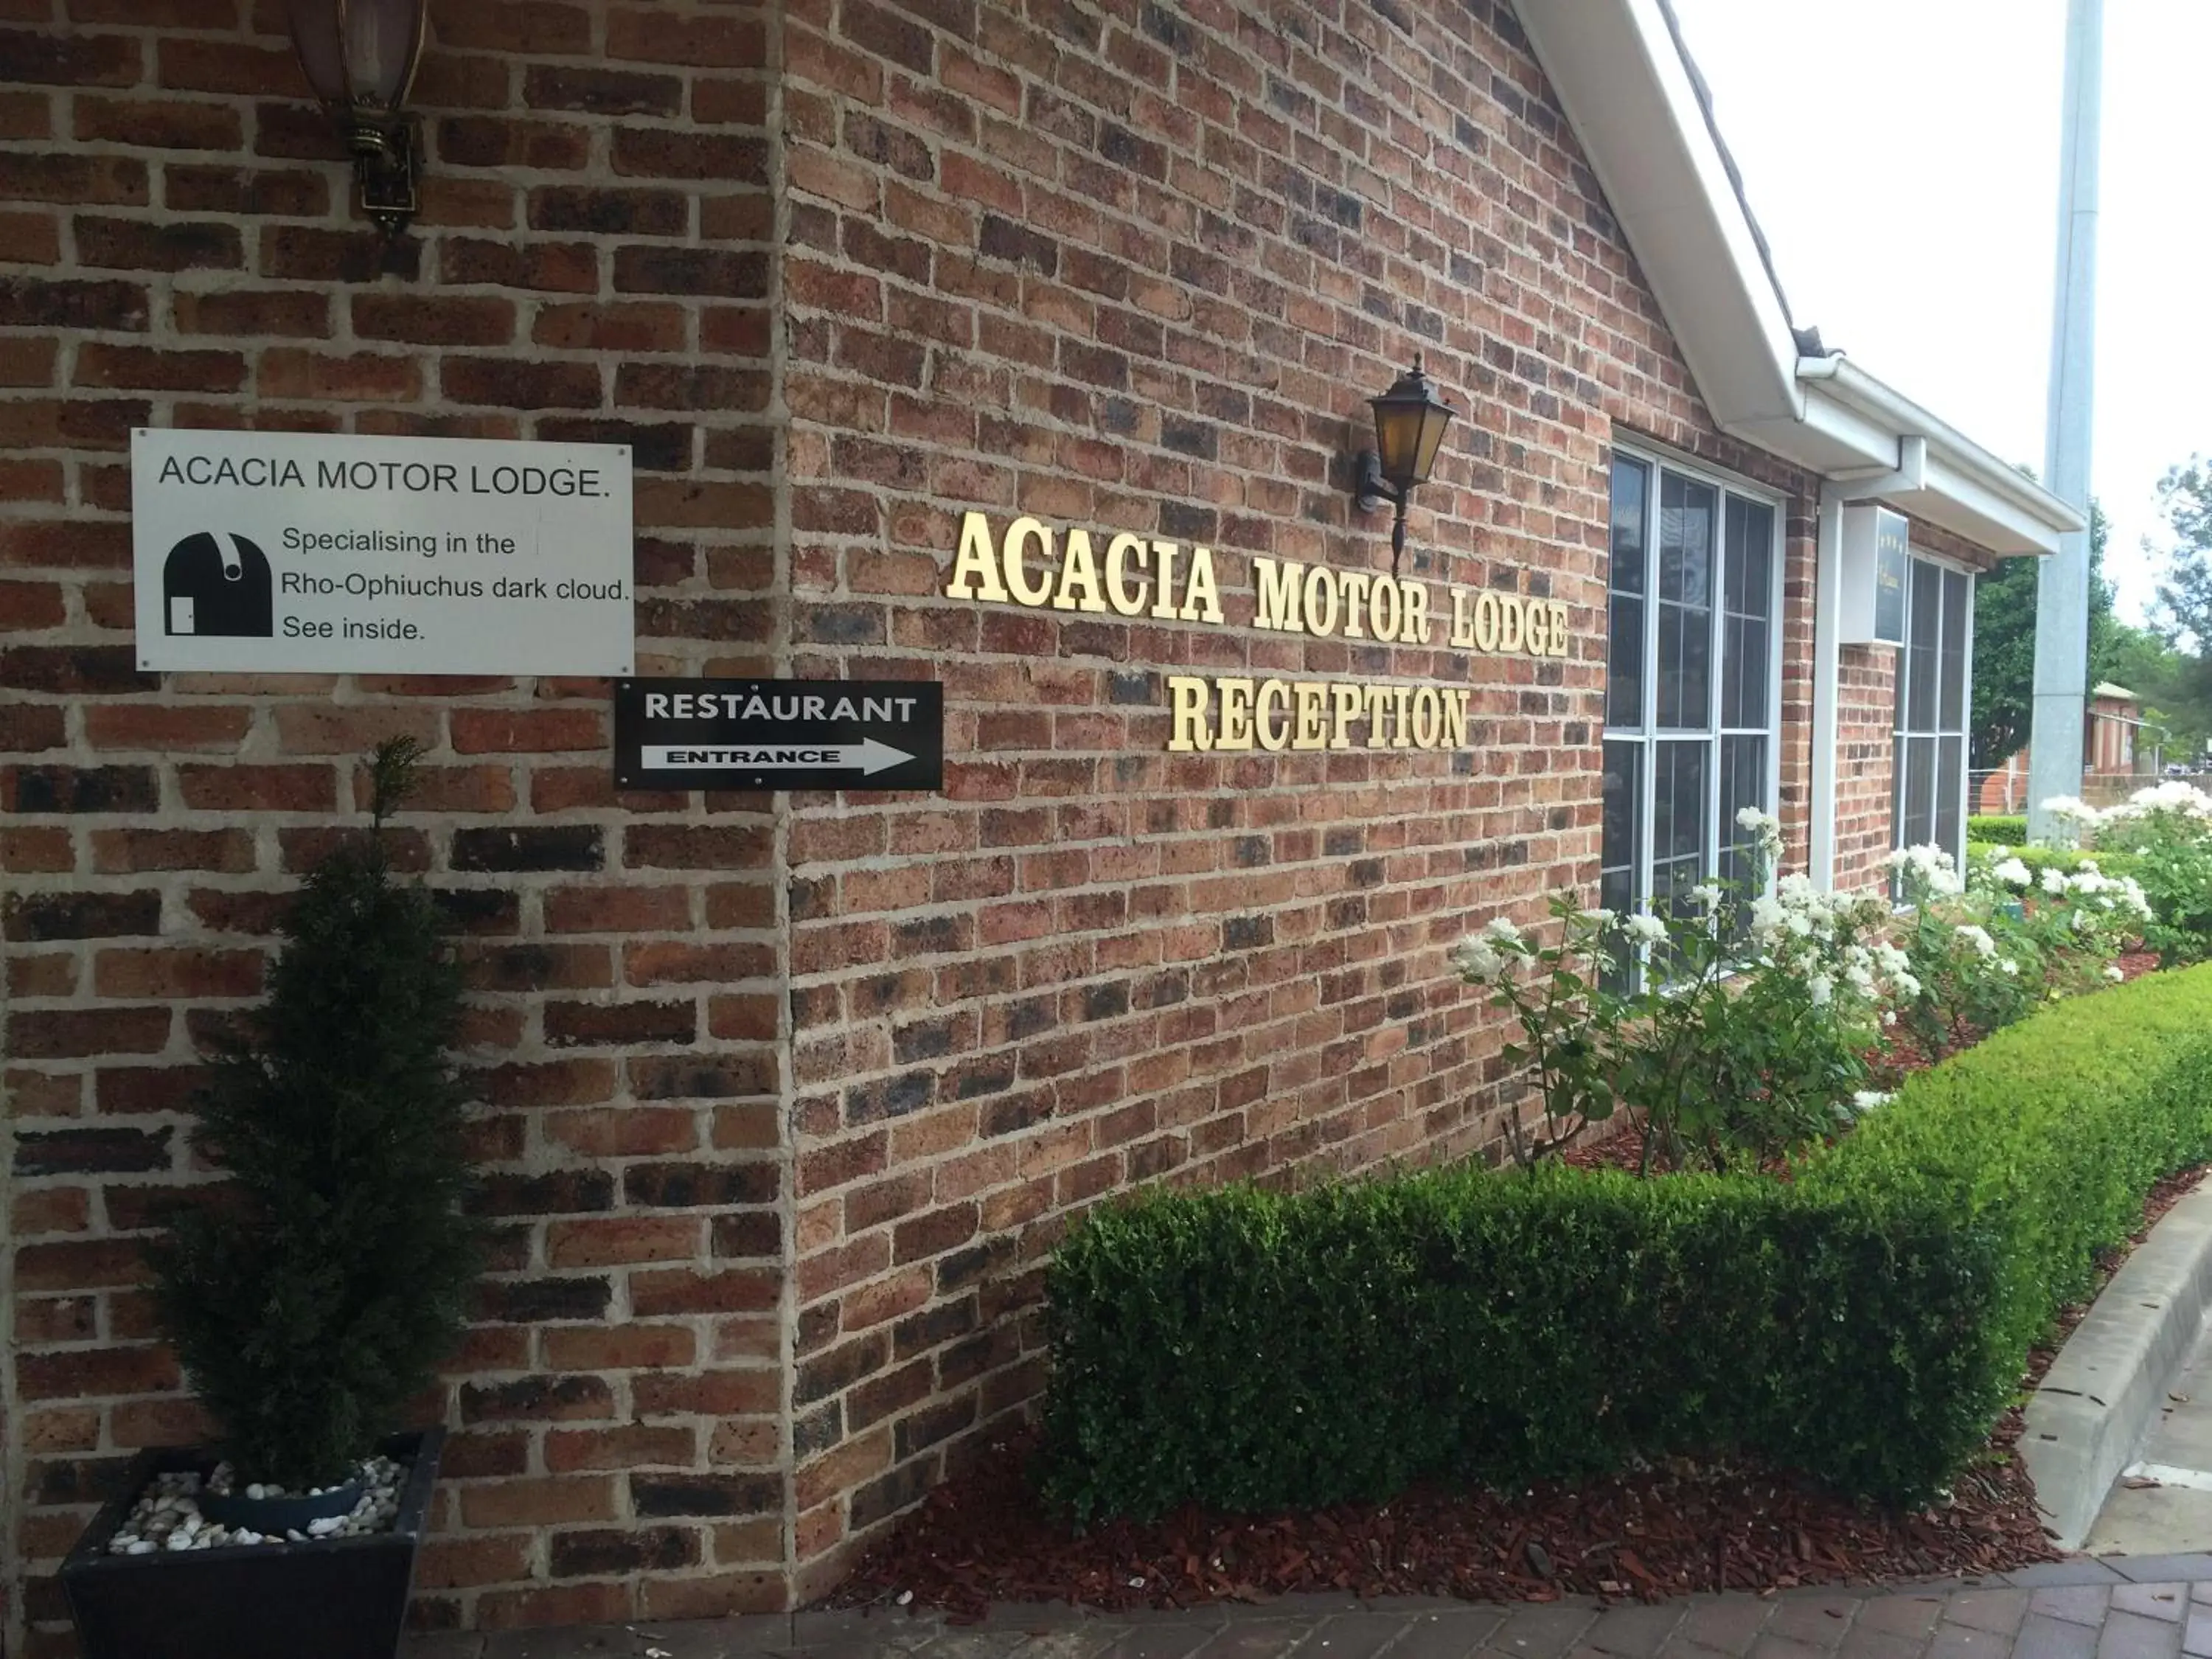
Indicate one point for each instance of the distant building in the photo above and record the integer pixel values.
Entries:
(2111, 757)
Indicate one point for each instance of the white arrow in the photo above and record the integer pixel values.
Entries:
(867, 757)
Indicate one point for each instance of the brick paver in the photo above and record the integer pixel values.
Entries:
(2147, 1607)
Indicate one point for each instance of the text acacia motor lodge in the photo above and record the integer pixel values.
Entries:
(999, 380)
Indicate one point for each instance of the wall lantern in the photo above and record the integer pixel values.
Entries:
(359, 58)
(1410, 419)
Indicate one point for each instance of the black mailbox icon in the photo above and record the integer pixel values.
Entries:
(218, 585)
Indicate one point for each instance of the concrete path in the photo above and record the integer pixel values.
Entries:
(2138, 1608)
(2176, 1512)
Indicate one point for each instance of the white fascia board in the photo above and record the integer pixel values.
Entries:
(1628, 97)
(1967, 490)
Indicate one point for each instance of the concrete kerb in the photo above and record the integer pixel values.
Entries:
(2102, 1392)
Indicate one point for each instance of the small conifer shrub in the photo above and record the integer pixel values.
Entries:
(311, 1295)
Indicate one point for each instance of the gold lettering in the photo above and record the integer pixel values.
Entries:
(1275, 586)
(1346, 698)
(1485, 621)
(1189, 733)
(975, 572)
(1414, 629)
(1455, 700)
(1165, 606)
(1311, 733)
(1354, 585)
(1402, 721)
(1320, 586)
(1118, 551)
(1509, 632)
(1273, 736)
(1201, 600)
(1235, 729)
(1019, 532)
(1558, 613)
(1428, 716)
(1078, 570)
(1386, 620)
(1378, 697)
(1463, 627)
(1537, 630)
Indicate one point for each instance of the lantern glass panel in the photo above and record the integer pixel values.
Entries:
(1397, 440)
(382, 40)
(315, 34)
(1434, 419)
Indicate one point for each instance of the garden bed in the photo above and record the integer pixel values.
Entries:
(1361, 1389)
(986, 1537)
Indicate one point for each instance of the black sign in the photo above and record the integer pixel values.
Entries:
(779, 734)
(213, 584)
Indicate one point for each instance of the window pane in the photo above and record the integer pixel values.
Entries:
(1624, 682)
(1744, 637)
(1921, 629)
(1677, 817)
(1750, 556)
(1686, 603)
(1623, 657)
(1631, 489)
(1918, 816)
(1624, 777)
(1618, 889)
(1948, 828)
(1957, 609)
(1743, 783)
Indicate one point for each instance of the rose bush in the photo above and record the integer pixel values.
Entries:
(2166, 833)
(1734, 1025)
(1730, 1025)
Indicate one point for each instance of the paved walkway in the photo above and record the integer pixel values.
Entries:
(2118, 1607)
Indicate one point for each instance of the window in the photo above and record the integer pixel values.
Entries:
(1928, 769)
(1691, 681)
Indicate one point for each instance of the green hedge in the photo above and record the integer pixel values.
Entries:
(1251, 1350)
(1999, 829)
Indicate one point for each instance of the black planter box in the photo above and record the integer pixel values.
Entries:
(333, 1598)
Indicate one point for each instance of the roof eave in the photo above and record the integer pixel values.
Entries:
(1628, 95)
(1622, 76)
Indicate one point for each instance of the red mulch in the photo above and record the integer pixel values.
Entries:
(984, 1536)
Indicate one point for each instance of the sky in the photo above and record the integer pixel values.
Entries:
(1902, 157)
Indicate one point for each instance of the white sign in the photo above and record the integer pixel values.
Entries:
(312, 553)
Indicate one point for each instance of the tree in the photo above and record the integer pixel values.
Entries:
(2004, 646)
(313, 1294)
(2185, 598)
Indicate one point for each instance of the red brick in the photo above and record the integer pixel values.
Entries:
(536, 730)
(364, 376)
(78, 181)
(258, 789)
(254, 312)
(95, 1372)
(704, 40)
(453, 319)
(142, 368)
(158, 124)
(51, 57)
(151, 727)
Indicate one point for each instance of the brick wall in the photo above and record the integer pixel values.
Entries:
(593, 262)
(1137, 267)
(785, 1100)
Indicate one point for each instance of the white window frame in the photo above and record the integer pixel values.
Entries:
(1965, 733)
(1657, 460)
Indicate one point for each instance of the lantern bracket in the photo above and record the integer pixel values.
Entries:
(387, 161)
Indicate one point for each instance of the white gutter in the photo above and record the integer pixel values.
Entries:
(1950, 449)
